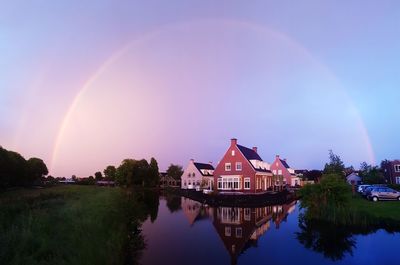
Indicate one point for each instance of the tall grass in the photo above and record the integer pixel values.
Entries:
(63, 225)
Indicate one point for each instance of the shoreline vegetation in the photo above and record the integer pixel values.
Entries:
(71, 224)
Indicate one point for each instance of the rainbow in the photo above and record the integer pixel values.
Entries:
(263, 31)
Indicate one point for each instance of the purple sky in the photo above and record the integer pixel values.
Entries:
(87, 84)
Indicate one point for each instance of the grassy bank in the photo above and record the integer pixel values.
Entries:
(63, 225)
(385, 210)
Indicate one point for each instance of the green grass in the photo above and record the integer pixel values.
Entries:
(385, 210)
(63, 225)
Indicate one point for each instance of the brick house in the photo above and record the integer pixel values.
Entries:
(281, 168)
(197, 175)
(391, 171)
(242, 170)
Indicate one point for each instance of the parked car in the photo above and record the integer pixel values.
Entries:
(366, 190)
(383, 193)
(361, 188)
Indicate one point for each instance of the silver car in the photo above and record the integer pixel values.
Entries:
(383, 193)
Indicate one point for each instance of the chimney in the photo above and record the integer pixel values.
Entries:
(277, 156)
(233, 141)
(210, 162)
(255, 149)
(284, 159)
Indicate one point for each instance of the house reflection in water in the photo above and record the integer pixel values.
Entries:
(239, 228)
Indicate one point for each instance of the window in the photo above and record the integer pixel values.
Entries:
(189, 175)
(246, 183)
(193, 174)
(274, 171)
(184, 183)
(227, 166)
(233, 152)
(238, 166)
(227, 231)
(279, 171)
(247, 214)
(229, 183)
(238, 232)
(397, 180)
(397, 168)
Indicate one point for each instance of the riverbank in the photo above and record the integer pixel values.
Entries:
(386, 210)
(64, 225)
(238, 200)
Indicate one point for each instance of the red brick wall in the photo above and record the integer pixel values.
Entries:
(247, 169)
(285, 173)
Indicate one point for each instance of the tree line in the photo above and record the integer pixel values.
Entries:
(15, 170)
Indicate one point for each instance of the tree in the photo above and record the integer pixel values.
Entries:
(125, 171)
(335, 165)
(110, 173)
(153, 174)
(175, 171)
(36, 169)
(371, 174)
(327, 198)
(98, 175)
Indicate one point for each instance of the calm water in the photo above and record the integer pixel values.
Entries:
(186, 232)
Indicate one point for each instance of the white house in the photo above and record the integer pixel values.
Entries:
(353, 178)
(198, 175)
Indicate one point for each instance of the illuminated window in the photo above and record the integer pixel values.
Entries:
(233, 152)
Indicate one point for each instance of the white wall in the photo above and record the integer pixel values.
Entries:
(185, 179)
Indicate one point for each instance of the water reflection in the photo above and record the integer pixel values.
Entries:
(186, 231)
(238, 228)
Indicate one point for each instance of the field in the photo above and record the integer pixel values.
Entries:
(63, 225)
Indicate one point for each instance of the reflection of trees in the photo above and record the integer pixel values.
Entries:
(326, 238)
(140, 205)
(173, 203)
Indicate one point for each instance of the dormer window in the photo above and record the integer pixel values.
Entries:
(227, 166)
(233, 152)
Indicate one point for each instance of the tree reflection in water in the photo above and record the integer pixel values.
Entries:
(326, 238)
(334, 241)
(140, 205)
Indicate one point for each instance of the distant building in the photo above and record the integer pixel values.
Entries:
(198, 175)
(281, 168)
(241, 170)
(391, 171)
(168, 181)
(353, 178)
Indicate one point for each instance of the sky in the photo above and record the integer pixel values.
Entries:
(86, 84)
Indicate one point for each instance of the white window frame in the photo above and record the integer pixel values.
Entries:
(246, 180)
(247, 214)
(279, 171)
(233, 152)
(229, 183)
(397, 168)
(397, 180)
(238, 232)
(238, 166)
(228, 231)
(226, 167)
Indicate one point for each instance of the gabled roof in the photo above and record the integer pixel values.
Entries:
(203, 166)
(250, 154)
(284, 163)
